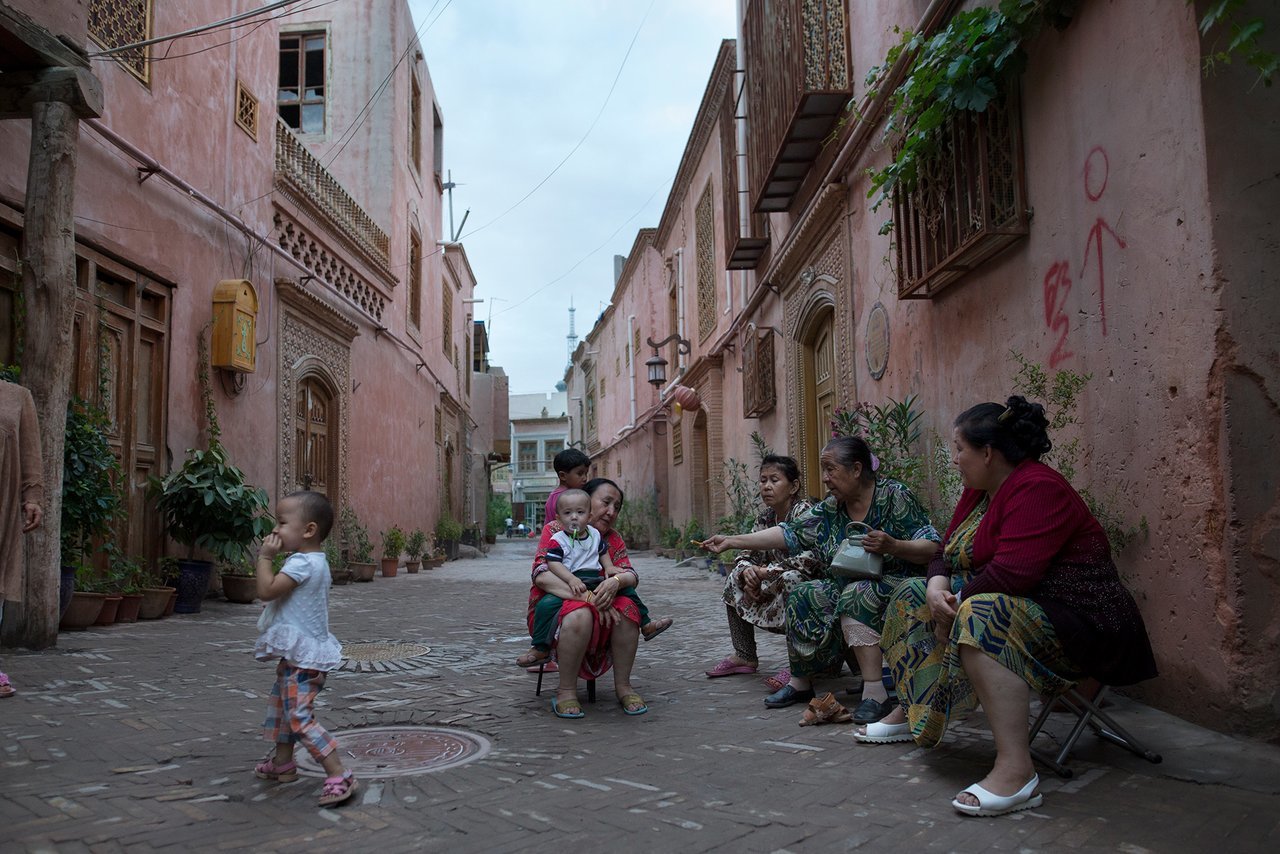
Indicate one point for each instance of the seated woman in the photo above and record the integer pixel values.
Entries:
(1023, 596)
(755, 593)
(823, 615)
(598, 629)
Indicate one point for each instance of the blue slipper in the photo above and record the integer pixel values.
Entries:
(631, 700)
(574, 709)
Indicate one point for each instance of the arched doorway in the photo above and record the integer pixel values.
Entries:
(701, 471)
(316, 438)
(820, 395)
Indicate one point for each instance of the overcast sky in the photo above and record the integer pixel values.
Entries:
(519, 83)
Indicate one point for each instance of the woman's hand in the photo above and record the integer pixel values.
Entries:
(878, 542)
(605, 593)
(752, 577)
(32, 515)
(942, 605)
(717, 543)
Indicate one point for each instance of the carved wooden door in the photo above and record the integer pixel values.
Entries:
(315, 435)
(820, 400)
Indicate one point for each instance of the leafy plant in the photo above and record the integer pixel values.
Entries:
(1244, 43)
(333, 554)
(415, 544)
(392, 542)
(892, 431)
(208, 503)
(760, 446)
(670, 537)
(448, 529)
(9, 373)
(243, 567)
(130, 573)
(1060, 392)
(498, 511)
(355, 536)
(742, 494)
(693, 533)
(964, 66)
(90, 476)
(638, 519)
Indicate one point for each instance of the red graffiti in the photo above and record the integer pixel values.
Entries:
(1057, 284)
(1094, 161)
(1095, 235)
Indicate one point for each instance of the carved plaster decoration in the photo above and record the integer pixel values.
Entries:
(315, 340)
(295, 240)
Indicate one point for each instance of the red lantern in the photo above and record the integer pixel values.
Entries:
(686, 397)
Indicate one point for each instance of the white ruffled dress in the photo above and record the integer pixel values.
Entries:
(296, 627)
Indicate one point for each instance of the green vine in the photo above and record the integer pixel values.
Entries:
(1228, 15)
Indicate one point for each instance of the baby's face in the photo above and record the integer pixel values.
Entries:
(573, 513)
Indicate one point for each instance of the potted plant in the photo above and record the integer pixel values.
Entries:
(90, 498)
(414, 545)
(359, 548)
(208, 503)
(448, 533)
(130, 572)
(156, 594)
(433, 557)
(86, 602)
(392, 546)
(239, 581)
(339, 574)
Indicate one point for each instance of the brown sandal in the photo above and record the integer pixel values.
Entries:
(533, 658)
(825, 710)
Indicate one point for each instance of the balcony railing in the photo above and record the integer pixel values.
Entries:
(797, 57)
(968, 203)
(298, 169)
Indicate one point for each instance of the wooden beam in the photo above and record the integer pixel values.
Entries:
(78, 88)
(43, 43)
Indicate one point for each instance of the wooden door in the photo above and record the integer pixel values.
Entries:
(820, 399)
(315, 434)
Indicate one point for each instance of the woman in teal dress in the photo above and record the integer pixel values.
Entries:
(825, 615)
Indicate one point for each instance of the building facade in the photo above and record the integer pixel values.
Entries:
(1120, 232)
(539, 431)
(302, 153)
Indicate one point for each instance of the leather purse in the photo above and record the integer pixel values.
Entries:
(854, 562)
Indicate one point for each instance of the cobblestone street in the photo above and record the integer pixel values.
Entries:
(142, 737)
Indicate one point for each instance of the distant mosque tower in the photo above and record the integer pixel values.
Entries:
(572, 337)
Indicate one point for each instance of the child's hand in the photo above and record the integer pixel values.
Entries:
(271, 546)
(576, 587)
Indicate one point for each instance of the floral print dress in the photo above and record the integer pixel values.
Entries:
(782, 571)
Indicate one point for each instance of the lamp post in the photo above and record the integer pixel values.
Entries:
(657, 365)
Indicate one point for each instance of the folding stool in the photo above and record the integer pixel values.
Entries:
(542, 667)
(1088, 714)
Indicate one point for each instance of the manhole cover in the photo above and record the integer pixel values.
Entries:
(376, 752)
(382, 655)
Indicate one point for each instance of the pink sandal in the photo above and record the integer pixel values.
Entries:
(6, 690)
(267, 769)
(727, 667)
(777, 680)
(337, 790)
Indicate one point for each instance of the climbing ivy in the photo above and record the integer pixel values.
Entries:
(1228, 15)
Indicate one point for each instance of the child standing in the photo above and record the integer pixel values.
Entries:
(573, 468)
(295, 630)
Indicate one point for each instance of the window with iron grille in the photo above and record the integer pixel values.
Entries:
(439, 427)
(677, 444)
(300, 94)
(415, 280)
(968, 203)
(635, 344)
(446, 318)
(758, 393)
(602, 392)
(527, 456)
(113, 23)
(591, 408)
(437, 141)
(706, 248)
(246, 111)
(415, 120)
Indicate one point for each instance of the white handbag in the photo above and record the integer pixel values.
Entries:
(854, 562)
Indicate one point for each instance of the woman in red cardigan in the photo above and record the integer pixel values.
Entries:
(1022, 596)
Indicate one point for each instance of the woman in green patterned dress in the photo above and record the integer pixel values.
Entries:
(825, 614)
(1022, 597)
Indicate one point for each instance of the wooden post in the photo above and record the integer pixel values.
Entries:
(49, 289)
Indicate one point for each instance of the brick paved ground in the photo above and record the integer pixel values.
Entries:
(143, 737)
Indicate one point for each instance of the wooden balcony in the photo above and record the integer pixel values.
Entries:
(797, 58)
(299, 171)
(746, 246)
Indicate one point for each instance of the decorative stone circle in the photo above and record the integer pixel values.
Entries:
(382, 655)
(400, 751)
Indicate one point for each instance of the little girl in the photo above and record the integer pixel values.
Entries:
(295, 629)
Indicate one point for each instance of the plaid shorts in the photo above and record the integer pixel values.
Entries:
(289, 716)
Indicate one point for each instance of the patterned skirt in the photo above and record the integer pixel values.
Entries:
(1011, 629)
(815, 641)
(770, 610)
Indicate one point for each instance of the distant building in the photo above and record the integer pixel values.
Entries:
(539, 431)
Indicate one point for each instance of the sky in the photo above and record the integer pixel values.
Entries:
(519, 84)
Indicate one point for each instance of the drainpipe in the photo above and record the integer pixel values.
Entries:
(631, 322)
(740, 137)
(680, 305)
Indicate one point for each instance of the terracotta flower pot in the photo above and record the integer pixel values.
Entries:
(413, 566)
(241, 589)
(155, 601)
(339, 577)
(128, 610)
(82, 612)
(362, 571)
(110, 605)
(390, 566)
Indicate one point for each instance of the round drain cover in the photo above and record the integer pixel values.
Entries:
(382, 656)
(377, 752)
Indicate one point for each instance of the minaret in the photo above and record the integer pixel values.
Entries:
(572, 337)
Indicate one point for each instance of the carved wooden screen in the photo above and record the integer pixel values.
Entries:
(113, 23)
(968, 204)
(706, 247)
(758, 392)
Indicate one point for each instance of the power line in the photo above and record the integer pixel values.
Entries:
(204, 28)
(256, 25)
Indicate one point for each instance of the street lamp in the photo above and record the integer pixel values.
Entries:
(656, 364)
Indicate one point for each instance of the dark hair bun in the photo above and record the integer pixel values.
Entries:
(1027, 426)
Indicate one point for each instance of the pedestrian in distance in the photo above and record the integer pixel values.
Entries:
(295, 630)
